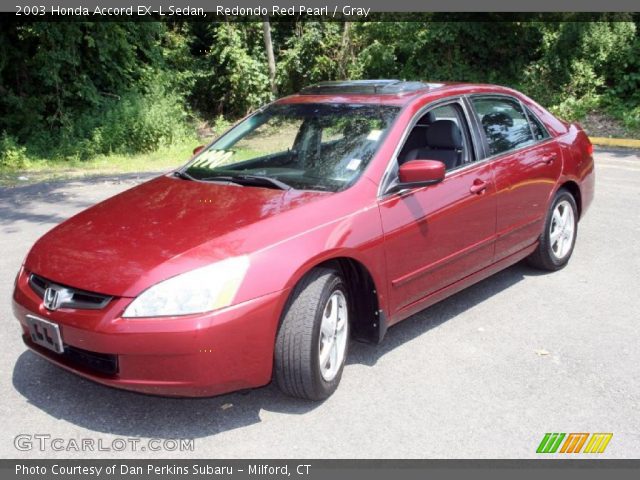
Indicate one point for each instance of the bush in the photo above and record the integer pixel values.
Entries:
(631, 119)
(78, 89)
(133, 123)
(312, 54)
(81, 89)
(140, 123)
(53, 72)
(229, 76)
(627, 114)
(577, 60)
(626, 77)
(12, 155)
(573, 108)
(220, 125)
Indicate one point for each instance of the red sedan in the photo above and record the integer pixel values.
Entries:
(325, 216)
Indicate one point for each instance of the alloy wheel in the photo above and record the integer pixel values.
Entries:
(333, 335)
(562, 230)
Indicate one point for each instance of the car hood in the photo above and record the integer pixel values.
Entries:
(158, 229)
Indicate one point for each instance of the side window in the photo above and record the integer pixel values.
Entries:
(440, 134)
(504, 123)
(539, 130)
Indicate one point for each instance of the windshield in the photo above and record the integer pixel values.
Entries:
(302, 146)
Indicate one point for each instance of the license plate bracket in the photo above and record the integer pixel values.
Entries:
(45, 333)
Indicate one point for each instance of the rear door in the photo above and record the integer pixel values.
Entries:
(437, 235)
(527, 164)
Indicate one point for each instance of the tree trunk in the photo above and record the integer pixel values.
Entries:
(266, 29)
(345, 51)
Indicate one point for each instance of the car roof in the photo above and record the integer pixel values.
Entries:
(363, 87)
(385, 91)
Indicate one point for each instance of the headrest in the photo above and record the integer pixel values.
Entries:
(427, 119)
(444, 134)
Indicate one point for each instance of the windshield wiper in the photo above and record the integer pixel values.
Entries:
(245, 179)
(183, 175)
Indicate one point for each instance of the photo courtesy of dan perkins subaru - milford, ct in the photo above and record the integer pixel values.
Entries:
(325, 216)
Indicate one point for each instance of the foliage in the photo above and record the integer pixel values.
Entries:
(227, 73)
(77, 89)
(51, 71)
(83, 88)
(442, 50)
(578, 60)
(626, 83)
(139, 123)
(625, 112)
(573, 108)
(12, 155)
(311, 54)
(220, 125)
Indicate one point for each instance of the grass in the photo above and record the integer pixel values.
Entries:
(40, 170)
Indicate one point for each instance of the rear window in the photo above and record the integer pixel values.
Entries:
(540, 132)
(504, 123)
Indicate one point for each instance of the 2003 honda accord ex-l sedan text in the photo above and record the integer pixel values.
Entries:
(325, 216)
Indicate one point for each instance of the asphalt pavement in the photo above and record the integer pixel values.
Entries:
(483, 374)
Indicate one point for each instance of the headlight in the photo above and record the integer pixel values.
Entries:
(20, 270)
(200, 290)
(15, 282)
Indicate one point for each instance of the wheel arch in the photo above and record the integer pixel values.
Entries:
(574, 189)
(367, 319)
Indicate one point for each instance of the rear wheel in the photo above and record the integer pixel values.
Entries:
(312, 342)
(559, 236)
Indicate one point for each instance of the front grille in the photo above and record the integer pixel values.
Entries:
(92, 362)
(72, 297)
(97, 362)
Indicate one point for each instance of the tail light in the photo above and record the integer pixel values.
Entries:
(589, 148)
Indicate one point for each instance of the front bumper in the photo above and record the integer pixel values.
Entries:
(195, 355)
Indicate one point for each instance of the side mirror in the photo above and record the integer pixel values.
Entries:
(418, 173)
(198, 149)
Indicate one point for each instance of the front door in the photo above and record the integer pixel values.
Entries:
(437, 235)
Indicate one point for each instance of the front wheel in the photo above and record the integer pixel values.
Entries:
(559, 236)
(313, 339)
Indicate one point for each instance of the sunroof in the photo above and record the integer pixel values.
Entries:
(367, 87)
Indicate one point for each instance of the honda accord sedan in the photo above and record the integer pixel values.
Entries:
(324, 217)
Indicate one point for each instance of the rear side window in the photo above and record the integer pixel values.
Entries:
(504, 124)
(539, 130)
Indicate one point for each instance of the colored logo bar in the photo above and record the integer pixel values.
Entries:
(573, 443)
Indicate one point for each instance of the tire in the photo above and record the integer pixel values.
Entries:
(558, 239)
(305, 334)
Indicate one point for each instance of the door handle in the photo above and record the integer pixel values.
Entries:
(548, 159)
(478, 187)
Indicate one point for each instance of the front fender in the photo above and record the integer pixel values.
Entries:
(356, 236)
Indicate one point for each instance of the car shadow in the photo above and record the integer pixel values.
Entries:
(95, 407)
(102, 409)
(441, 312)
